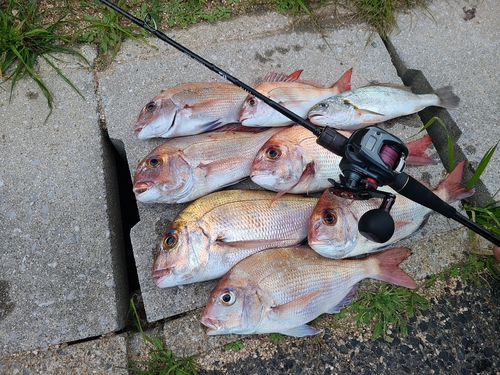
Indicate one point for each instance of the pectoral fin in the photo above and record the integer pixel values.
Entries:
(221, 165)
(301, 331)
(290, 308)
(306, 174)
(361, 111)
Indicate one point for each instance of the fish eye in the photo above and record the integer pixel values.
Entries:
(154, 162)
(150, 107)
(227, 297)
(252, 101)
(323, 105)
(170, 239)
(329, 217)
(273, 153)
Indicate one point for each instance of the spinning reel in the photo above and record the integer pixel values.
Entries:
(371, 157)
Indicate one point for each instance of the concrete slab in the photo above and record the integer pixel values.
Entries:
(139, 74)
(103, 356)
(456, 43)
(62, 276)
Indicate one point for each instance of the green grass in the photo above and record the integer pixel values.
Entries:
(28, 33)
(381, 14)
(389, 306)
(162, 361)
(276, 338)
(235, 346)
(24, 37)
(467, 270)
(108, 30)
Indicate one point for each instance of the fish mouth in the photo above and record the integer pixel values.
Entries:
(141, 187)
(138, 127)
(160, 276)
(213, 325)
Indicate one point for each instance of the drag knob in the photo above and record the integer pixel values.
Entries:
(377, 225)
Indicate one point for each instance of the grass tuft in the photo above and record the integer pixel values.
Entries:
(162, 361)
(235, 346)
(24, 37)
(388, 308)
(380, 14)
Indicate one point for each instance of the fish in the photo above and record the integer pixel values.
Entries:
(185, 168)
(294, 94)
(216, 231)
(188, 109)
(291, 161)
(368, 105)
(281, 290)
(194, 108)
(333, 229)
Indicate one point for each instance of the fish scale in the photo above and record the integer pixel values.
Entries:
(279, 290)
(214, 232)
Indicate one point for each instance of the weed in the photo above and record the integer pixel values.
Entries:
(162, 361)
(486, 216)
(481, 166)
(235, 345)
(390, 306)
(107, 32)
(380, 13)
(24, 38)
(467, 270)
(276, 338)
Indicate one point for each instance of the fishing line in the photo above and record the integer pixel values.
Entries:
(370, 154)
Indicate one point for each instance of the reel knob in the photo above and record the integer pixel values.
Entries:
(377, 225)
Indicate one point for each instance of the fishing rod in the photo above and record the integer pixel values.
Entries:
(371, 157)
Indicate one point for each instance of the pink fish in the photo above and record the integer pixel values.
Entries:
(194, 108)
(333, 229)
(291, 161)
(281, 290)
(294, 94)
(185, 168)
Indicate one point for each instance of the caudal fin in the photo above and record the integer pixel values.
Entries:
(417, 155)
(344, 82)
(450, 190)
(447, 99)
(388, 262)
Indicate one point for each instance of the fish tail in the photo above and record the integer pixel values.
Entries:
(417, 155)
(447, 99)
(344, 82)
(388, 262)
(450, 190)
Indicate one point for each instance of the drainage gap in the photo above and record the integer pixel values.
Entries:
(420, 85)
(129, 214)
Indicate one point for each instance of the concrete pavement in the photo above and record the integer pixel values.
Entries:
(62, 277)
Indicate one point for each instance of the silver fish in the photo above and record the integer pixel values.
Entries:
(216, 231)
(333, 230)
(369, 105)
(280, 290)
